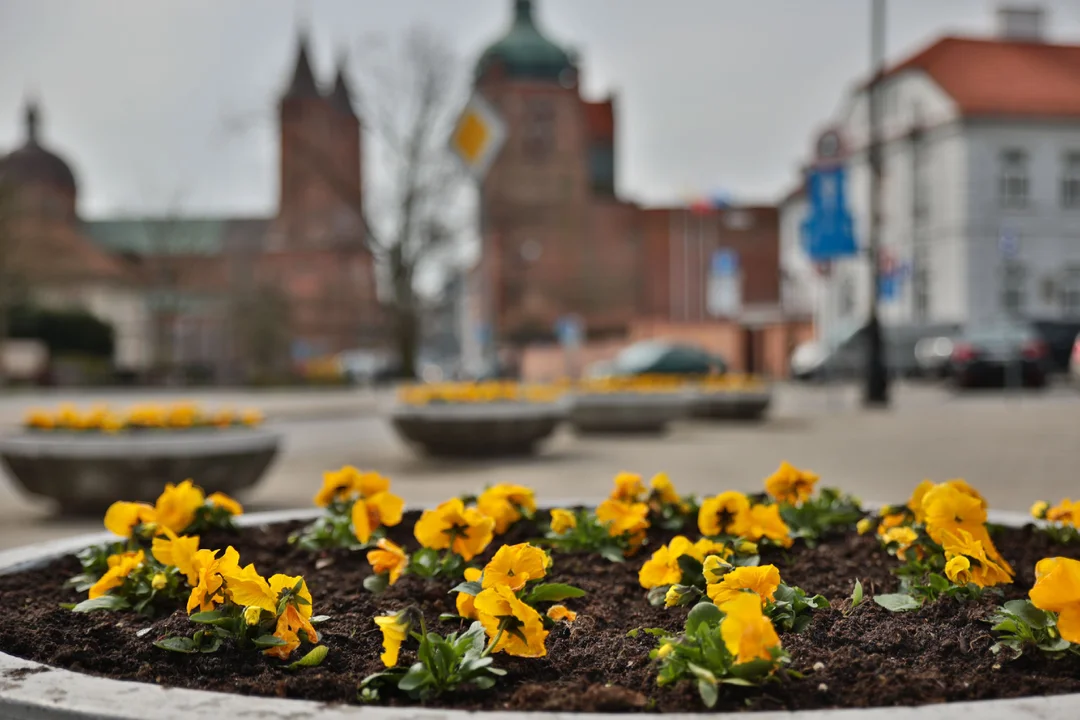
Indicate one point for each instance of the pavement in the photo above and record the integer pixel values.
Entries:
(1014, 447)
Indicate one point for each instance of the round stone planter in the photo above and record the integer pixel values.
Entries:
(32, 691)
(477, 430)
(627, 412)
(85, 473)
(733, 404)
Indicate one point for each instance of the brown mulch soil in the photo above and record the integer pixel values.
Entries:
(870, 657)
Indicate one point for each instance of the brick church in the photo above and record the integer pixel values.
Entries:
(223, 297)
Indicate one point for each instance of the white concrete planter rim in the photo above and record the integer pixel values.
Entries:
(33, 691)
(180, 443)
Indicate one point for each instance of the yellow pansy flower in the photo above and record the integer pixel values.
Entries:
(251, 417)
(903, 536)
(178, 552)
(372, 512)
(947, 509)
(1057, 590)
(39, 420)
(623, 518)
(764, 521)
(506, 504)
(1066, 512)
(120, 566)
(562, 521)
(246, 587)
(208, 591)
(664, 490)
(714, 568)
(915, 503)
(226, 503)
(252, 615)
(985, 568)
(523, 632)
(791, 485)
(122, 517)
(515, 565)
(389, 558)
(466, 531)
(723, 514)
(746, 632)
(864, 526)
(465, 602)
(159, 581)
(1038, 510)
(762, 581)
(395, 629)
(663, 567)
(560, 612)
(175, 507)
(337, 485)
(958, 569)
(295, 618)
(629, 488)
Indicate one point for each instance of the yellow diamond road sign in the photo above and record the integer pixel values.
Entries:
(478, 136)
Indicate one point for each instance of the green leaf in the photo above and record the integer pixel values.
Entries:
(469, 588)
(704, 613)
(634, 633)
(207, 618)
(939, 583)
(376, 583)
(857, 594)
(612, 553)
(1027, 612)
(553, 592)
(177, 644)
(818, 602)
(417, 677)
(691, 567)
(741, 682)
(897, 602)
(657, 595)
(708, 692)
(268, 641)
(319, 619)
(314, 657)
(104, 602)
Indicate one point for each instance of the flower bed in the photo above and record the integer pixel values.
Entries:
(104, 419)
(922, 603)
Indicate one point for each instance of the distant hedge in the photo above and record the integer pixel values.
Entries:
(64, 332)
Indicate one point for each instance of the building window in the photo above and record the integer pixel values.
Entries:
(1070, 292)
(1013, 298)
(539, 135)
(1070, 180)
(1014, 179)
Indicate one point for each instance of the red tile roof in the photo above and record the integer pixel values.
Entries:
(600, 120)
(1003, 77)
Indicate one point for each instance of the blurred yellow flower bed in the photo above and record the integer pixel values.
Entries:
(102, 418)
(479, 392)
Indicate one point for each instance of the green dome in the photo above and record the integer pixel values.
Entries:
(524, 52)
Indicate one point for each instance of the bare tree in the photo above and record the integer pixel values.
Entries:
(410, 100)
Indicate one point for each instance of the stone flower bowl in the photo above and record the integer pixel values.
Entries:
(731, 403)
(85, 472)
(630, 412)
(33, 691)
(489, 429)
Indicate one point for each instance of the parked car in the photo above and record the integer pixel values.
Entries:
(1059, 336)
(653, 357)
(998, 355)
(847, 360)
(1074, 362)
(932, 355)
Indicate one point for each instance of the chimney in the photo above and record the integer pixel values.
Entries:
(1023, 24)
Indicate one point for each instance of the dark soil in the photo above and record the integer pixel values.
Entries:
(866, 657)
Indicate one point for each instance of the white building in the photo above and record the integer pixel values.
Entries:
(981, 176)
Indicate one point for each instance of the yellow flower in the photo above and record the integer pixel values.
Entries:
(763, 521)
(665, 650)
(208, 591)
(337, 485)
(746, 632)
(958, 570)
(1038, 510)
(560, 612)
(673, 596)
(178, 552)
(629, 488)
(395, 629)
(864, 526)
(723, 514)
(663, 567)
(515, 565)
(562, 521)
(372, 512)
(370, 483)
(903, 536)
(791, 485)
(506, 504)
(120, 566)
(915, 504)
(252, 615)
(706, 546)
(986, 569)
(947, 509)
(295, 618)
(714, 568)
(623, 518)
(762, 581)
(111, 423)
(245, 586)
(175, 507)
(1065, 512)
(40, 420)
(465, 601)
(1057, 590)
(664, 490)
(122, 517)
(523, 632)
(251, 417)
(159, 581)
(226, 503)
(466, 531)
(389, 558)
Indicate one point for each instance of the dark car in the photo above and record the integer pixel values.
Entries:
(664, 358)
(999, 355)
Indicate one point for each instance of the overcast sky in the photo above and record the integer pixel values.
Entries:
(145, 98)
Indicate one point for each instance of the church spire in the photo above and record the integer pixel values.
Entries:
(303, 83)
(32, 120)
(523, 11)
(341, 96)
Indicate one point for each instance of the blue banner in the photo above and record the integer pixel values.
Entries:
(828, 231)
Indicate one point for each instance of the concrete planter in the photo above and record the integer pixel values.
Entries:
(477, 430)
(730, 404)
(627, 412)
(84, 473)
(32, 691)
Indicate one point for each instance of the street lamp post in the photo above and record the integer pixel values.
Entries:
(877, 378)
